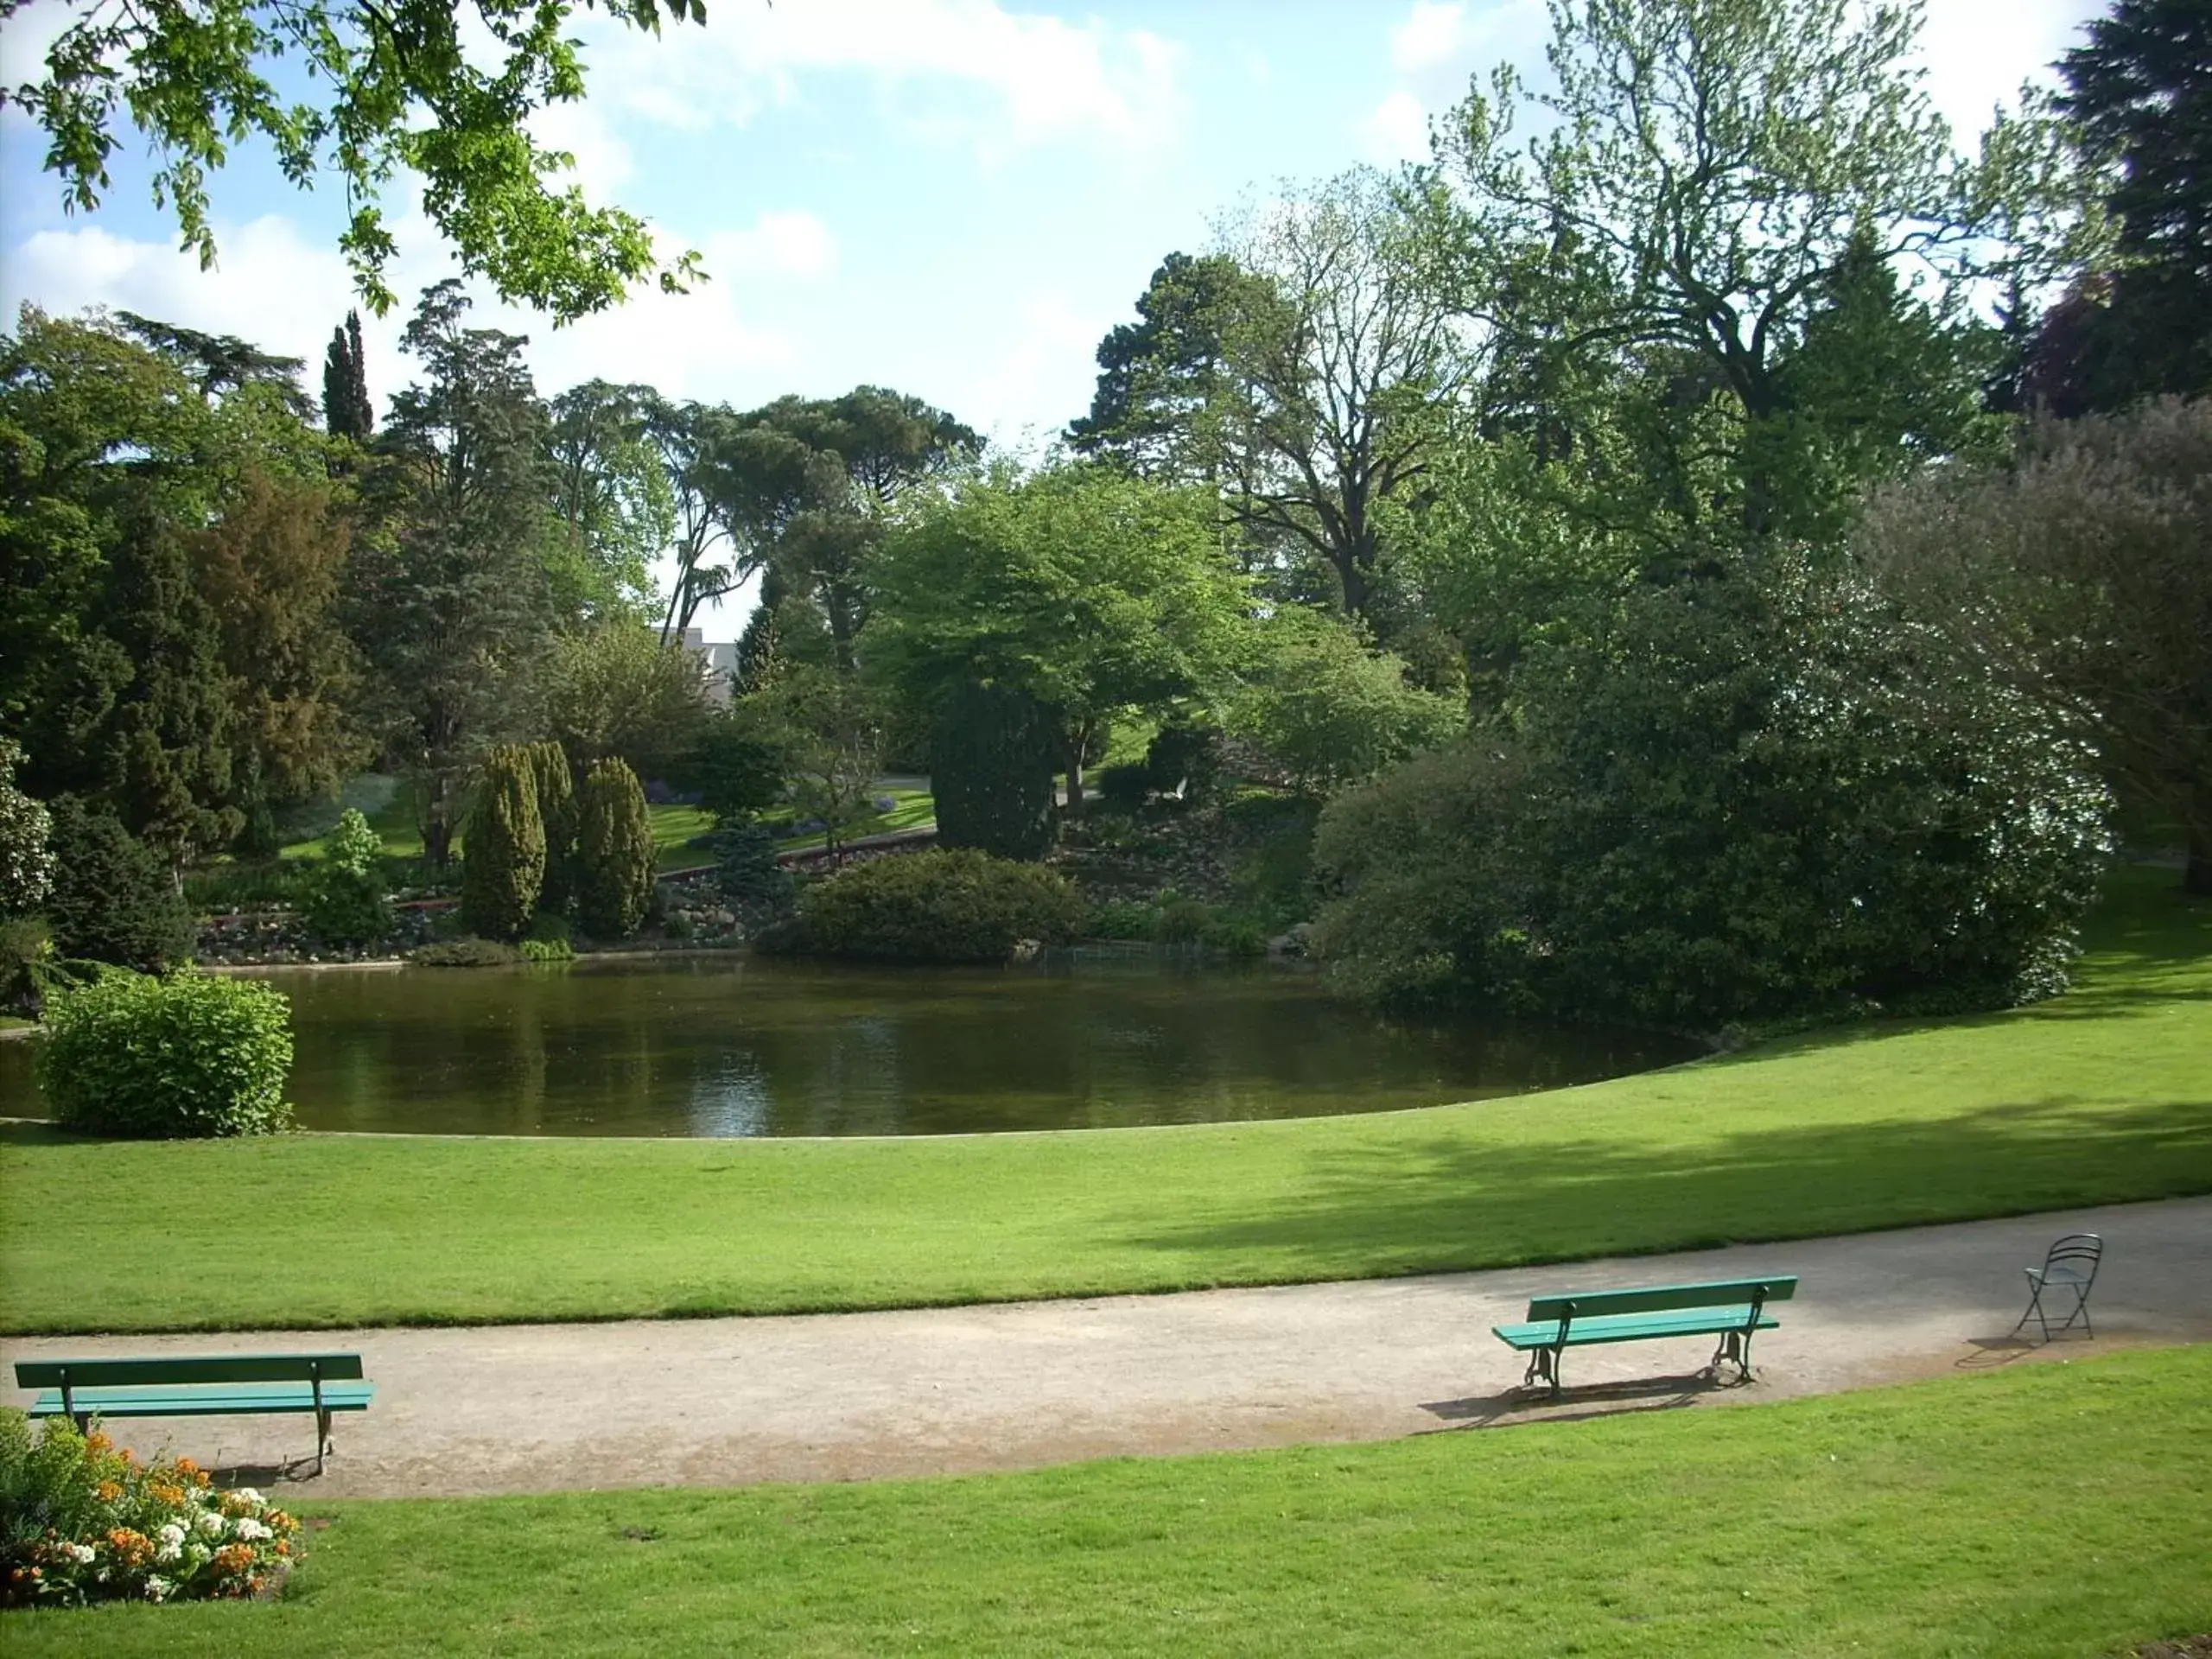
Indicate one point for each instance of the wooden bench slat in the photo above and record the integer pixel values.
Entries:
(204, 1401)
(1649, 1298)
(1699, 1322)
(186, 1367)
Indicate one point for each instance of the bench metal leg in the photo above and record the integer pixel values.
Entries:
(1543, 1367)
(1735, 1350)
(322, 1438)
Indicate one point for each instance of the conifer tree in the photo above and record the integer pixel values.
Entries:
(347, 411)
(556, 810)
(614, 852)
(503, 864)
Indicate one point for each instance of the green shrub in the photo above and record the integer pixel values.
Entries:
(1233, 936)
(503, 868)
(1121, 918)
(465, 952)
(1761, 797)
(113, 898)
(557, 812)
(547, 951)
(747, 870)
(614, 852)
(26, 945)
(1125, 787)
(946, 905)
(187, 1055)
(1184, 757)
(1181, 920)
(992, 757)
(345, 902)
(81, 1522)
(1325, 711)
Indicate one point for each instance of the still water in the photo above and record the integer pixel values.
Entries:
(740, 1045)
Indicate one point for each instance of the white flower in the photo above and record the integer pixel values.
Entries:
(209, 1522)
(82, 1553)
(252, 1531)
(169, 1532)
(247, 1495)
(157, 1587)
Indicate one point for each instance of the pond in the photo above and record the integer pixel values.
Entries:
(741, 1045)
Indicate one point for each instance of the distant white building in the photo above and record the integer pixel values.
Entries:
(717, 661)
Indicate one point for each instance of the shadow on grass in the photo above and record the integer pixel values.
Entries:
(1453, 1201)
(29, 1132)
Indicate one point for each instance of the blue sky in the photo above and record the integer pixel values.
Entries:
(955, 197)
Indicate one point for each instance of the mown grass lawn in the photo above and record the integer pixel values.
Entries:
(2051, 1510)
(2100, 1096)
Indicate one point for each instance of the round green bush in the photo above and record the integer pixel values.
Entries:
(344, 903)
(946, 905)
(189, 1056)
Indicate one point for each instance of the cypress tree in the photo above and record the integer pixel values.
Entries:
(614, 852)
(556, 810)
(503, 864)
(347, 411)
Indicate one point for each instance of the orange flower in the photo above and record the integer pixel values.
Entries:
(232, 1558)
(132, 1549)
(164, 1492)
(96, 1441)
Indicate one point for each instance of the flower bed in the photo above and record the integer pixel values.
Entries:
(82, 1520)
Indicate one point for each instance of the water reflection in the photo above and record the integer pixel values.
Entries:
(731, 1046)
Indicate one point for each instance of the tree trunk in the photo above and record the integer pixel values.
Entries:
(1073, 747)
(2196, 874)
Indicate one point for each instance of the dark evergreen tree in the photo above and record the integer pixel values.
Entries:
(614, 852)
(347, 411)
(503, 862)
(991, 761)
(2142, 90)
(113, 897)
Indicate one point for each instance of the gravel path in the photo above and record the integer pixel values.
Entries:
(520, 1408)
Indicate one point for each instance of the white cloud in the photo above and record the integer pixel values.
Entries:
(793, 244)
(1973, 66)
(1396, 130)
(1431, 34)
(1041, 359)
(1043, 78)
(285, 291)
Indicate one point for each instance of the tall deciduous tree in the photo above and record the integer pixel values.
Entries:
(1086, 590)
(441, 91)
(613, 500)
(1705, 175)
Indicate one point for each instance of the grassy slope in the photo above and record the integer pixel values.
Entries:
(2103, 1095)
(1982, 1515)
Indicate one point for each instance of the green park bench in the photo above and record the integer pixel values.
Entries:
(1733, 1309)
(228, 1385)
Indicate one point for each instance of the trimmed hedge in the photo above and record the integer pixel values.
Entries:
(946, 905)
(187, 1057)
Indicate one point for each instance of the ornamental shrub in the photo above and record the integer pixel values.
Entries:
(82, 1522)
(1762, 796)
(345, 902)
(464, 953)
(189, 1056)
(614, 852)
(503, 865)
(992, 757)
(114, 899)
(556, 812)
(946, 905)
(1325, 711)
(747, 870)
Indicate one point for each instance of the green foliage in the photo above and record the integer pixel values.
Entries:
(830, 728)
(1127, 786)
(348, 410)
(346, 902)
(26, 846)
(1121, 918)
(2081, 569)
(188, 1056)
(613, 499)
(547, 951)
(114, 899)
(746, 869)
(83, 1522)
(614, 852)
(991, 762)
(1325, 711)
(952, 904)
(504, 869)
(26, 946)
(615, 690)
(738, 762)
(556, 788)
(1761, 797)
(465, 952)
(198, 83)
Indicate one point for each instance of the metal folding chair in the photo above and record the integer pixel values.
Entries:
(2069, 1266)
